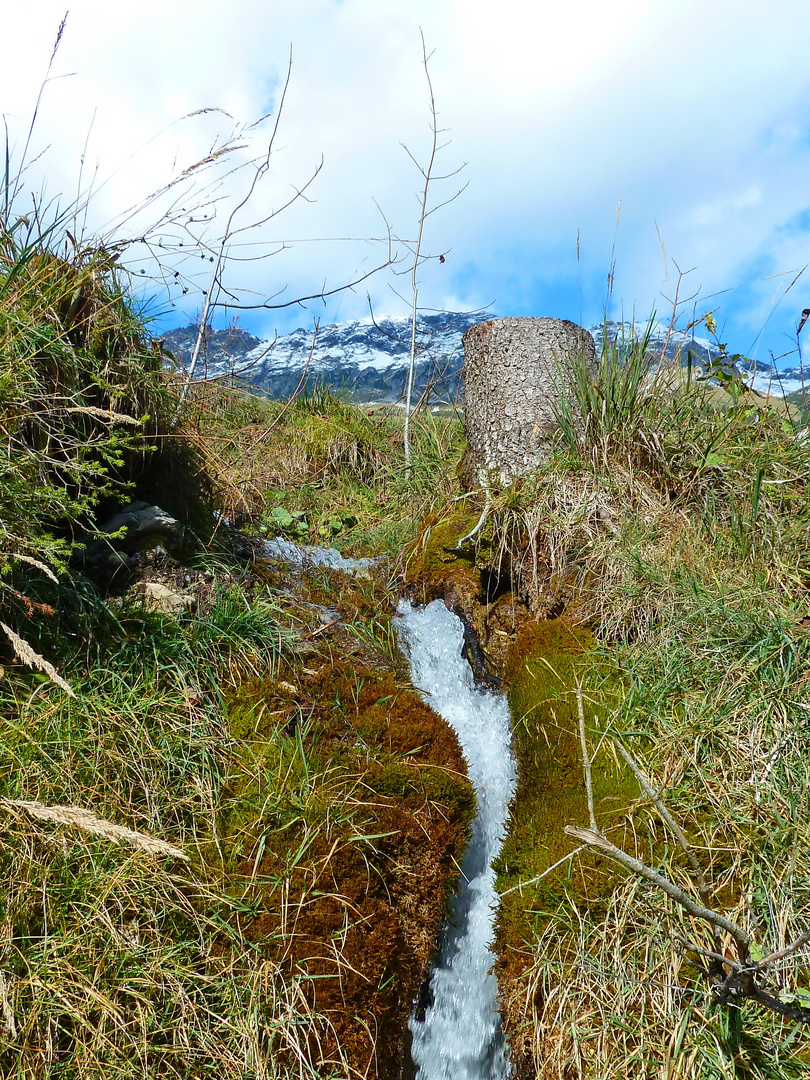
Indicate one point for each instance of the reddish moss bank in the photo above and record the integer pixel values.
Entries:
(344, 880)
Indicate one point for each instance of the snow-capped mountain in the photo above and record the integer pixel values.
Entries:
(369, 359)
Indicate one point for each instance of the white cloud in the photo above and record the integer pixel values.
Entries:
(695, 115)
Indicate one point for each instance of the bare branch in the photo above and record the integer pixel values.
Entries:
(658, 802)
(788, 950)
(447, 202)
(586, 759)
(466, 539)
(415, 266)
(300, 300)
(792, 1012)
(717, 957)
(677, 831)
(714, 918)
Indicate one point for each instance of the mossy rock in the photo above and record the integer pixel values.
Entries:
(431, 561)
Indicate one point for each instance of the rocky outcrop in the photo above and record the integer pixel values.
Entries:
(157, 597)
(137, 528)
(140, 520)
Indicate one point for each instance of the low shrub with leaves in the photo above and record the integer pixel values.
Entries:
(82, 396)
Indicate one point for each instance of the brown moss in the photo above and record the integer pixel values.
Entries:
(349, 890)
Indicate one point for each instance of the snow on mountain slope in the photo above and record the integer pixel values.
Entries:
(369, 359)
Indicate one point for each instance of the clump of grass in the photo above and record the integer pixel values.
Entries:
(80, 393)
(602, 412)
(85, 418)
(714, 710)
(322, 469)
(114, 957)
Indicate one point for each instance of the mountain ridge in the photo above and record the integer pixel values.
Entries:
(368, 359)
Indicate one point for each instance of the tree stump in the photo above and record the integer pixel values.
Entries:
(513, 370)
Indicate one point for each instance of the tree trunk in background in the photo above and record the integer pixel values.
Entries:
(512, 371)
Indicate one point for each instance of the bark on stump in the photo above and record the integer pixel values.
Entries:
(513, 369)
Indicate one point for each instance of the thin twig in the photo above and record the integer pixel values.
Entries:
(677, 831)
(466, 539)
(586, 760)
(424, 214)
(788, 950)
(226, 236)
(427, 173)
(532, 881)
(655, 797)
(719, 957)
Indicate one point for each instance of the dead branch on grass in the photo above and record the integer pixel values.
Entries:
(732, 980)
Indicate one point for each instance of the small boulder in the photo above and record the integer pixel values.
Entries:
(158, 598)
(141, 520)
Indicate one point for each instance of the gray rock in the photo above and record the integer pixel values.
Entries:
(141, 520)
(104, 562)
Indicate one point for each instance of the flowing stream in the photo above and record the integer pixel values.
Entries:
(302, 555)
(459, 1037)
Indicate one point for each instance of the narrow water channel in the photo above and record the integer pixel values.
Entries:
(457, 1035)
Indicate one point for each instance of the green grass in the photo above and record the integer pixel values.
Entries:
(322, 470)
(318, 804)
(115, 961)
(294, 812)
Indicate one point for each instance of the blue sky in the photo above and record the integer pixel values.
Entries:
(693, 116)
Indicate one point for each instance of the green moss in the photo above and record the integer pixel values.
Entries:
(442, 534)
(256, 709)
(546, 663)
(393, 780)
(452, 790)
(431, 559)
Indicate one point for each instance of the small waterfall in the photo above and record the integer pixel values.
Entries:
(459, 1037)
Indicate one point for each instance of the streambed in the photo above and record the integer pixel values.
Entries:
(457, 1035)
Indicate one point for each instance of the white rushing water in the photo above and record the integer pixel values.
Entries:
(459, 1037)
(301, 555)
